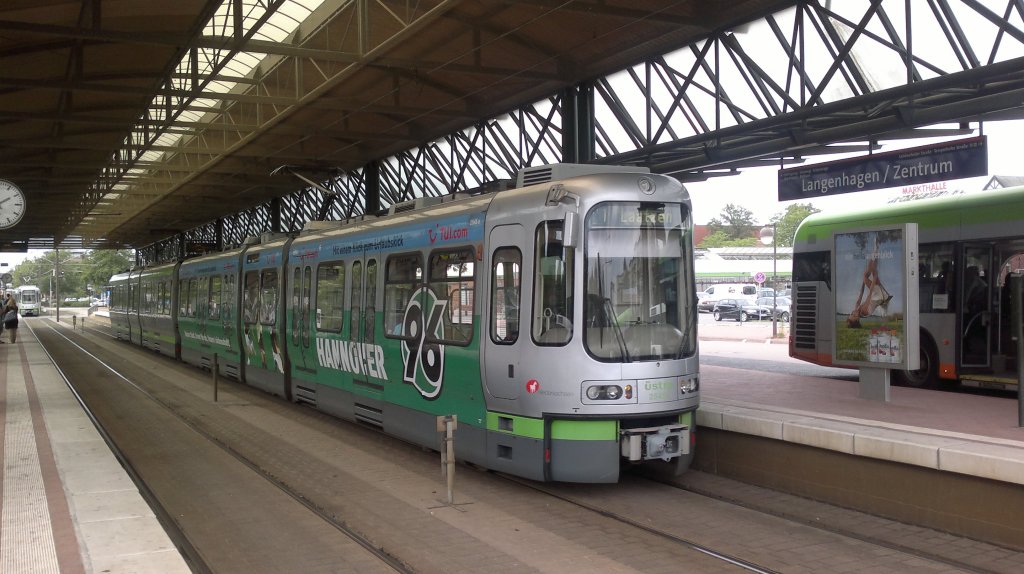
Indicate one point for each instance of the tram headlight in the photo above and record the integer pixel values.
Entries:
(604, 393)
(687, 386)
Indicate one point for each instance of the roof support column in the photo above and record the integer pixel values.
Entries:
(578, 124)
(371, 173)
(275, 215)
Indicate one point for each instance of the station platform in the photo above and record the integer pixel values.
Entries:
(68, 504)
(970, 434)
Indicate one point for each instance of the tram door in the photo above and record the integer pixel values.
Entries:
(504, 339)
(976, 321)
(363, 312)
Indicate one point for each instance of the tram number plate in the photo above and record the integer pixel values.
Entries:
(657, 390)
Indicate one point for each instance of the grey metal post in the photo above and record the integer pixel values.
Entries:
(447, 424)
(1017, 324)
(215, 378)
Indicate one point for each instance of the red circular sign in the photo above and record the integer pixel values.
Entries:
(532, 386)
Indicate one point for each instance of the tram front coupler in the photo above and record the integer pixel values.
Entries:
(653, 443)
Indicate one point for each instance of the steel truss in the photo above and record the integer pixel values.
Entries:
(817, 78)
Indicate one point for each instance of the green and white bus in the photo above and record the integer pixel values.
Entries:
(969, 245)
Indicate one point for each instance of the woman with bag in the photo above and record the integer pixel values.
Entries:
(11, 319)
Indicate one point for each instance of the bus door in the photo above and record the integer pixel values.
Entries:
(976, 324)
(502, 343)
(362, 315)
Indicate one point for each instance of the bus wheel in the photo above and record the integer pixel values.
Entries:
(928, 373)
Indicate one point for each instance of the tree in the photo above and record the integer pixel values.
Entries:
(721, 239)
(786, 222)
(736, 222)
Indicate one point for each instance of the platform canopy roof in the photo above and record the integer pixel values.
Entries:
(125, 121)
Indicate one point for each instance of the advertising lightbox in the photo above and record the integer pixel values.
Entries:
(875, 280)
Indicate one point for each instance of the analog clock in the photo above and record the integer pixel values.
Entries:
(12, 204)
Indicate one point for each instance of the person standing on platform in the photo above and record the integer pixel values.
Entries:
(10, 319)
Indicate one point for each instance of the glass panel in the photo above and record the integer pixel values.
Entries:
(404, 275)
(213, 309)
(635, 279)
(552, 298)
(937, 279)
(370, 307)
(505, 289)
(307, 287)
(268, 297)
(294, 303)
(230, 296)
(451, 278)
(357, 301)
(251, 301)
(330, 296)
(202, 296)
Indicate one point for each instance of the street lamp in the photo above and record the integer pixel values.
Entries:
(768, 236)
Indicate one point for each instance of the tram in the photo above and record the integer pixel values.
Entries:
(555, 320)
(28, 297)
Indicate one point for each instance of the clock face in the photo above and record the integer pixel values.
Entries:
(12, 204)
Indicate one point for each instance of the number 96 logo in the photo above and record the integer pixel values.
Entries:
(424, 362)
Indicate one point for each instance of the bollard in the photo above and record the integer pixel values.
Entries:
(447, 425)
(215, 378)
(74, 322)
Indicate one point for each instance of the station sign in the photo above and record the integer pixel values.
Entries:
(900, 168)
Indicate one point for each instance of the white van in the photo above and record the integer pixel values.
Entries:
(711, 295)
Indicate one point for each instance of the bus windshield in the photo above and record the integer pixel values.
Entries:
(639, 283)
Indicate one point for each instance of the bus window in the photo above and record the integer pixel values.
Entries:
(552, 294)
(937, 264)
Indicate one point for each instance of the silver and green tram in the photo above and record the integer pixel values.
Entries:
(556, 320)
(970, 246)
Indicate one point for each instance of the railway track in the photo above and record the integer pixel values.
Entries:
(94, 341)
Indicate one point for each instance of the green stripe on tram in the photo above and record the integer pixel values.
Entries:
(560, 429)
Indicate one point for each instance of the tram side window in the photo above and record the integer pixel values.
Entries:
(183, 298)
(295, 305)
(553, 286)
(202, 297)
(451, 277)
(214, 303)
(307, 287)
(146, 295)
(506, 275)
(330, 296)
(165, 297)
(356, 302)
(370, 307)
(404, 274)
(268, 296)
(228, 298)
(251, 297)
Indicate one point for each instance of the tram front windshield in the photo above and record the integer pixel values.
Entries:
(639, 283)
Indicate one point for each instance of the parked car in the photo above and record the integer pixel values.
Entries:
(764, 305)
(730, 309)
(743, 291)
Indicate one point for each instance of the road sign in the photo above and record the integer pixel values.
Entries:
(759, 277)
